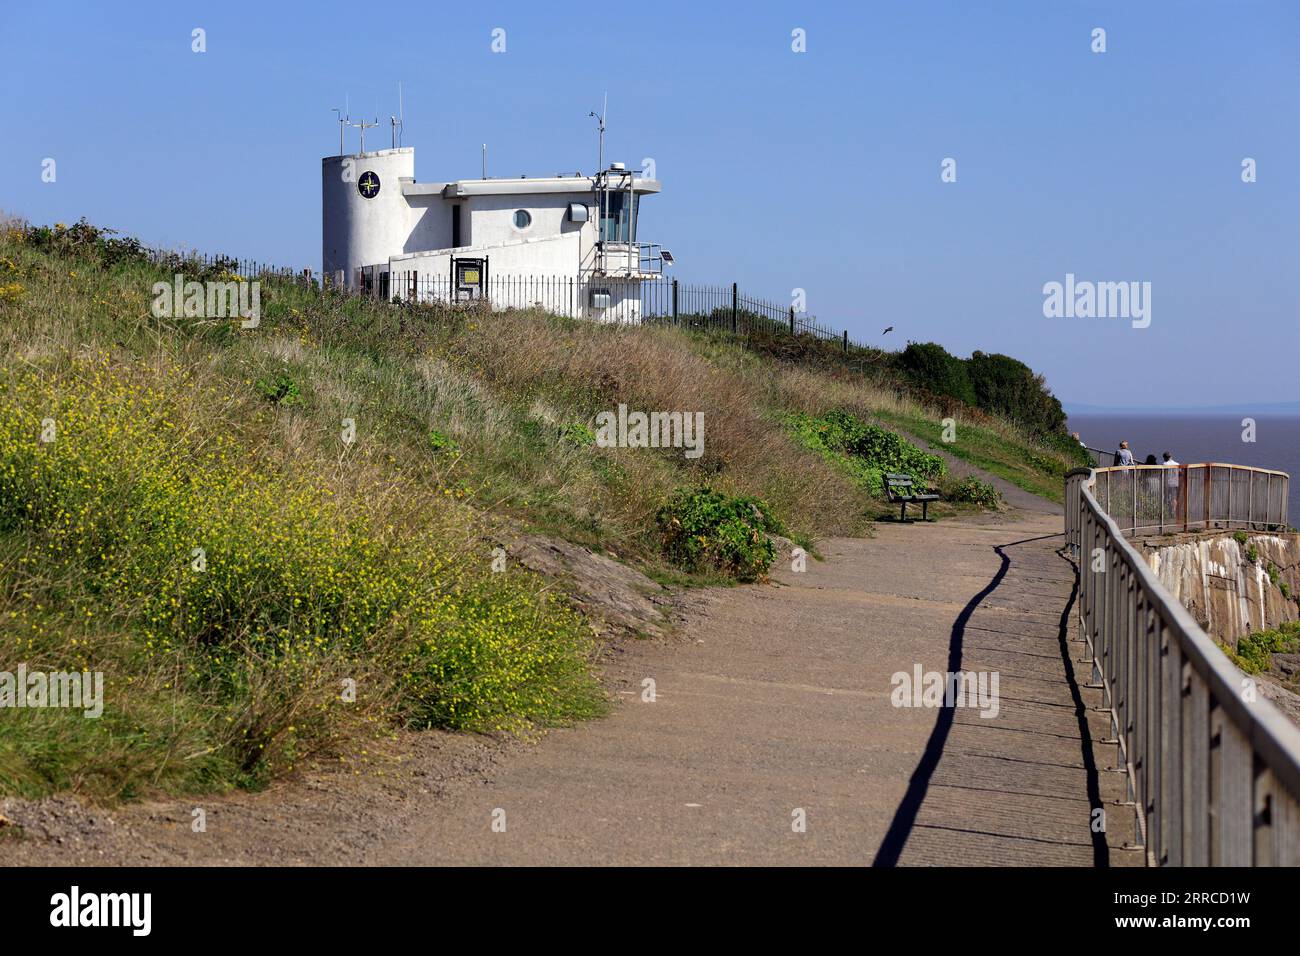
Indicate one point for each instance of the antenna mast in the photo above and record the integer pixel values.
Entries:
(363, 126)
(342, 122)
(600, 126)
(398, 121)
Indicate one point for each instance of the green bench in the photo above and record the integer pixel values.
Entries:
(902, 490)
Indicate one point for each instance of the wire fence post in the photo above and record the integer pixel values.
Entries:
(674, 302)
(735, 318)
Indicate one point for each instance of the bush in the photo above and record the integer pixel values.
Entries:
(576, 433)
(439, 442)
(1254, 653)
(929, 366)
(1007, 387)
(977, 492)
(280, 390)
(711, 530)
(868, 451)
(84, 241)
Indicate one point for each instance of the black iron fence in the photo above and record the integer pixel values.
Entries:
(658, 300)
(727, 309)
(201, 263)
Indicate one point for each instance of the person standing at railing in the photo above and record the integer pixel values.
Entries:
(1151, 489)
(1124, 456)
(1173, 484)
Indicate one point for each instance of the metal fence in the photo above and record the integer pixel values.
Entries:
(727, 309)
(1213, 769)
(1161, 498)
(659, 300)
(200, 262)
(1100, 458)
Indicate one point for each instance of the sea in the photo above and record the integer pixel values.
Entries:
(1199, 438)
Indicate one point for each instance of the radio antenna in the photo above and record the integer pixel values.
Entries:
(342, 122)
(399, 120)
(600, 126)
(363, 126)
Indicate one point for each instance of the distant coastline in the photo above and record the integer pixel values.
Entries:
(1245, 410)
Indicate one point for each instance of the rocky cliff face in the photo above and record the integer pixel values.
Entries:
(1228, 593)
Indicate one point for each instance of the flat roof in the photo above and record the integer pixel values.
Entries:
(524, 186)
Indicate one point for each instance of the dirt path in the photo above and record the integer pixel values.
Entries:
(773, 703)
(780, 701)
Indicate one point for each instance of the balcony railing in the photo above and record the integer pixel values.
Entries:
(629, 259)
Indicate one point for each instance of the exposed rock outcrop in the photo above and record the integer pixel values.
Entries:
(620, 597)
(1229, 594)
(1235, 585)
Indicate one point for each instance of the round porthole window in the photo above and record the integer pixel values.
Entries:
(523, 219)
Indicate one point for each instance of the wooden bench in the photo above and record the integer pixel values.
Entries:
(902, 490)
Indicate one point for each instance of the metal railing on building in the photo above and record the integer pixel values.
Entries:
(1213, 768)
(658, 300)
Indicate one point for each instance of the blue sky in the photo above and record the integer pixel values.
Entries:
(781, 170)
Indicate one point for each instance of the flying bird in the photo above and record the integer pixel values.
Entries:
(888, 330)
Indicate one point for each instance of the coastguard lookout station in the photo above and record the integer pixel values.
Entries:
(566, 242)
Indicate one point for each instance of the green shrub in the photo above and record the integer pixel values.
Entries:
(440, 442)
(977, 492)
(868, 451)
(1241, 538)
(929, 366)
(576, 433)
(280, 390)
(1254, 653)
(1252, 555)
(704, 529)
(1008, 387)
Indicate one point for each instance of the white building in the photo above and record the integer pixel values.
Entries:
(568, 243)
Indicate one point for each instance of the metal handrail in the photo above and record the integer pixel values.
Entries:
(1162, 498)
(1213, 768)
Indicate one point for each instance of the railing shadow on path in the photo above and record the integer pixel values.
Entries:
(904, 820)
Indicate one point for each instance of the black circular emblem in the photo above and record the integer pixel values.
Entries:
(368, 185)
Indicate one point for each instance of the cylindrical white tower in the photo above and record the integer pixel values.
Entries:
(364, 216)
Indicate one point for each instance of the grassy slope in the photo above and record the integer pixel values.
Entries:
(406, 523)
(996, 450)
